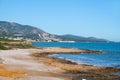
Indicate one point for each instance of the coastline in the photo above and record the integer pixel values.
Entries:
(35, 64)
(78, 71)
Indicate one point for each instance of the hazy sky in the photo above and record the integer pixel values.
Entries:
(98, 18)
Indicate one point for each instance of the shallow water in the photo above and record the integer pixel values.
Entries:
(110, 57)
(117, 73)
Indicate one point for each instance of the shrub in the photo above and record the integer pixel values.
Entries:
(2, 47)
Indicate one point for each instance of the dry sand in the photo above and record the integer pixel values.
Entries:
(19, 61)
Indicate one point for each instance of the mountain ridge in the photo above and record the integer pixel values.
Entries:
(28, 32)
(9, 29)
(83, 39)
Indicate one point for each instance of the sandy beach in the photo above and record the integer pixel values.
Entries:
(20, 61)
(34, 64)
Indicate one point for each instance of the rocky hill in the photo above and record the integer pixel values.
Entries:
(17, 31)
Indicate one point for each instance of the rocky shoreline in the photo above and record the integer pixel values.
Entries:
(35, 64)
(74, 71)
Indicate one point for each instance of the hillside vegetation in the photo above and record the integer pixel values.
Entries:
(10, 44)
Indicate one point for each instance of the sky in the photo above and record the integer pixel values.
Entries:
(97, 18)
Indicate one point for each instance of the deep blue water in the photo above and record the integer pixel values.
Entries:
(110, 57)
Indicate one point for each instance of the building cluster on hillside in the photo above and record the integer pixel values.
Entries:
(18, 37)
(49, 38)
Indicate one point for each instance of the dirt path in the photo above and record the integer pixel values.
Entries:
(19, 60)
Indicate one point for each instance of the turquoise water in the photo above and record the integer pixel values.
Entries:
(110, 57)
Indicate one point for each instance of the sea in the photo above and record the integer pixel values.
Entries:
(109, 58)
